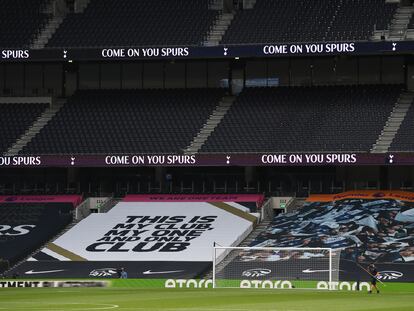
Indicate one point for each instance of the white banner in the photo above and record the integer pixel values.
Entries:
(158, 231)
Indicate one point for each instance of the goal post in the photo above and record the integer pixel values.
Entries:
(275, 267)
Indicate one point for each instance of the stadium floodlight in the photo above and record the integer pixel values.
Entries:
(275, 267)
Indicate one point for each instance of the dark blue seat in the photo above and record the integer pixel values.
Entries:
(136, 23)
(20, 20)
(296, 119)
(126, 121)
(404, 140)
(309, 21)
(15, 119)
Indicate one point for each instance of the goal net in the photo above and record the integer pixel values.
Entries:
(271, 267)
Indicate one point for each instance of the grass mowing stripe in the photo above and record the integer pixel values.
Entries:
(201, 300)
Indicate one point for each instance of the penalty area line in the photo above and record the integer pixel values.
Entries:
(206, 309)
(62, 306)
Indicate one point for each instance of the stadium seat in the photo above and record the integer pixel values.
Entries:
(404, 141)
(15, 119)
(19, 22)
(142, 121)
(303, 21)
(136, 22)
(304, 119)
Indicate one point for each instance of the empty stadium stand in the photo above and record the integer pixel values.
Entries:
(19, 22)
(15, 119)
(303, 21)
(300, 119)
(156, 22)
(28, 222)
(404, 140)
(135, 121)
(132, 23)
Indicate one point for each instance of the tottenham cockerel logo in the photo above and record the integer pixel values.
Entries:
(254, 273)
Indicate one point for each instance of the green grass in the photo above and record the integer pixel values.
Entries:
(119, 299)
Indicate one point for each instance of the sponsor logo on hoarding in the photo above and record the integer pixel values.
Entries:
(265, 284)
(309, 270)
(253, 273)
(42, 272)
(80, 284)
(389, 275)
(103, 272)
(343, 286)
(192, 283)
(22, 284)
(149, 272)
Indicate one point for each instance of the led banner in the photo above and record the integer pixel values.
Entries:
(307, 271)
(205, 159)
(244, 202)
(74, 199)
(363, 194)
(387, 272)
(44, 269)
(257, 198)
(221, 51)
(77, 283)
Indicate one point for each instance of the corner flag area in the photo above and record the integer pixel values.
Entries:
(122, 299)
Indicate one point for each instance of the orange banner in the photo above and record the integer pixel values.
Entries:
(363, 194)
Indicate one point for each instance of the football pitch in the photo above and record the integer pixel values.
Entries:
(78, 299)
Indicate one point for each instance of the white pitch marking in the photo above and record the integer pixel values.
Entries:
(108, 306)
(206, 309)
(104, 306)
